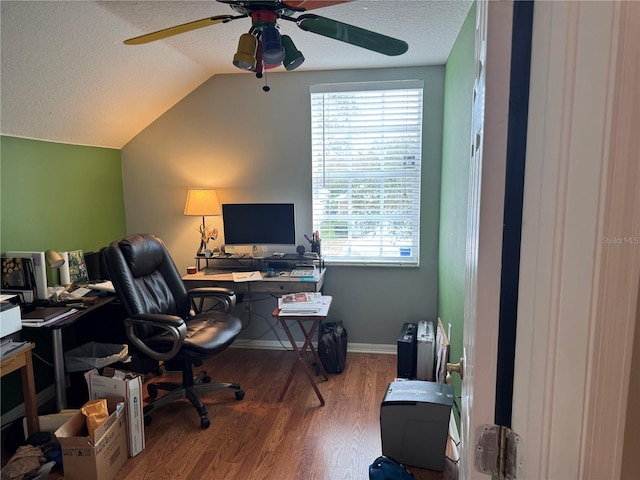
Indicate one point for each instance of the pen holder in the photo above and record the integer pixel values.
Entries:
(315, 247)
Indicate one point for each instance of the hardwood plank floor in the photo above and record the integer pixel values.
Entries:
(261, 438)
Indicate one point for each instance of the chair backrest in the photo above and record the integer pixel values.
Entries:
(144, 276)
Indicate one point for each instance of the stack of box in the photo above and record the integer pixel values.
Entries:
(121, 436)
(100, 458)
(129, 386)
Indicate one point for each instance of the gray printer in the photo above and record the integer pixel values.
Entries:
(414, 422)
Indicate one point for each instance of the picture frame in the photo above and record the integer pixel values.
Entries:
(77, 267)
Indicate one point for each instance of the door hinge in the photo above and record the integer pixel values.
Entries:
(497, 452)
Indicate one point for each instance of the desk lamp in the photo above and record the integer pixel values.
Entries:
(203, 202)
(54, 259)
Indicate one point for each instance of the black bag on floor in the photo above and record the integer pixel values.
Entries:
(386, 468)
(332, 347)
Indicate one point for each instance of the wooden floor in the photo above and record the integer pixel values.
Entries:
(260, 438)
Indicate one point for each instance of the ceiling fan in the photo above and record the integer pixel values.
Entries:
(263, 47)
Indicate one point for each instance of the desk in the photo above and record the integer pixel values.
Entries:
(307, 345)
(279, 284)
(228, 262)
(58, 349)
(21, 359)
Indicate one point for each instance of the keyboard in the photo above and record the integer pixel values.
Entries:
(303, 272)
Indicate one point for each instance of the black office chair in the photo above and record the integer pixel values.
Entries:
(166, 323)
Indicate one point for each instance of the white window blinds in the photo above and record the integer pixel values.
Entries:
(366, 154)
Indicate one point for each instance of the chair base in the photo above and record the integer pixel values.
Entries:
(178, 391)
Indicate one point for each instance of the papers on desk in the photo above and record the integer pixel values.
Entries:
(10, 347)
(246, 276)
(304, 298)
(102, 286)
(304, 303)
(43, 316)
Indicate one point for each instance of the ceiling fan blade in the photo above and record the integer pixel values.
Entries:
(313, 4)
(185, 27)
(352, 35)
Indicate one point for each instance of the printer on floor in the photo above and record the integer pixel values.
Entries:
(414, 422)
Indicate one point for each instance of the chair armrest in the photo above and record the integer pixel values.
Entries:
(224, 296)
(175, 326)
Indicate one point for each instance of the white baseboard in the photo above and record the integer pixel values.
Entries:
(351, 347)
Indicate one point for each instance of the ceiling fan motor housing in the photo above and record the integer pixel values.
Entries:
(263, 18)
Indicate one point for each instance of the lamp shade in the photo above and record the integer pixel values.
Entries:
(53, 258)
(272, 52)
(202, 202)
(245, 57)
(293, 58)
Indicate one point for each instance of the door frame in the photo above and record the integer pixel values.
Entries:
(483, 260)
(580, 253)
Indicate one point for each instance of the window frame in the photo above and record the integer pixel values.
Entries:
(388, 175)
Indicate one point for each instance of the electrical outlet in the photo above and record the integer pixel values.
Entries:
(246, 306)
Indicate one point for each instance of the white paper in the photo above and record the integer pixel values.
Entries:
(246, 276)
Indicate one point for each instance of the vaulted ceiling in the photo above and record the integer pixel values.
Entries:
(66, 75)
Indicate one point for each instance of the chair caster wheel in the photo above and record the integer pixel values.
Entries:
(206, 379)
(205, 423)
(239, 394)
(147, 420)
(153, 391)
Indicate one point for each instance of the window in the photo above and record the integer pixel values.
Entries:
(366, 155)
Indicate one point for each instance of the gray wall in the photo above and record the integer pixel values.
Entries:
(254, 146)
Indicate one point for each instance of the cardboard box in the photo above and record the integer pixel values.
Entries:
(101, 459)
(51, 423)
(129, 386)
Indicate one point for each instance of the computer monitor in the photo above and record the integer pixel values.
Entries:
(259, 224)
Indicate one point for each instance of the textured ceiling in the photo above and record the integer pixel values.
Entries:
(67, 77)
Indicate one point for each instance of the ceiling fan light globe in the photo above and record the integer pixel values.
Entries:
(273, 57)
(244, 62)
(272, 51)
(293, 64)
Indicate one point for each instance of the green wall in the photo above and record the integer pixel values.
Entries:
(456, 147)
(58, 196)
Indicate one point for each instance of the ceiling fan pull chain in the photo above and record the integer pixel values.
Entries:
(266, 87)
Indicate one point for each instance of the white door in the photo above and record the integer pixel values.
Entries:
(581, 241)
(579, 276)
(484, 222)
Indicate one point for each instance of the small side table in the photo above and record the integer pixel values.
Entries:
(314, 320)
(21, 359)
